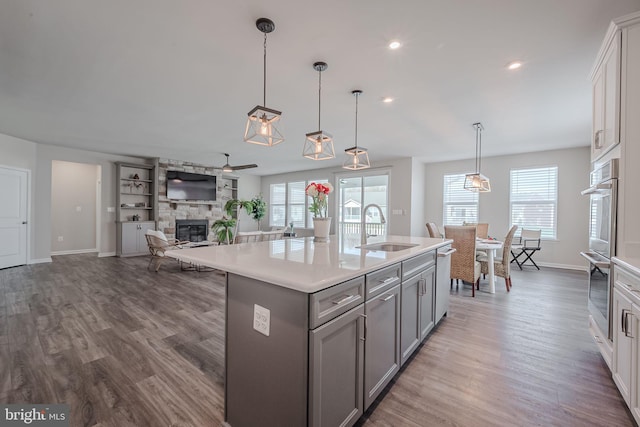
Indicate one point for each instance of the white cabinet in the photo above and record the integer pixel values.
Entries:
(606, 100)
(626, 335)
(616, 128)
(131, 237)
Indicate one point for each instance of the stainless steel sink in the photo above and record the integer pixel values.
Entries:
(388, 246)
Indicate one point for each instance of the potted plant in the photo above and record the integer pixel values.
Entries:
(258, 208)
(224, 229)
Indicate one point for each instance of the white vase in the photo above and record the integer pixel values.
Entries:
(321, 228)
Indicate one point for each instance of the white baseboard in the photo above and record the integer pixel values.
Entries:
(39, 261)
(74, 252)
(554, 265)
(106, 254)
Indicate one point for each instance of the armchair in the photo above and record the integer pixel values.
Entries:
(158, 245)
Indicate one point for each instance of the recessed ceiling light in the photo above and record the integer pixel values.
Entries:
(394, 45)
(514, 65)
(387, 99)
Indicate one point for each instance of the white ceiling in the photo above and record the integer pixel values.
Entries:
(175, 79)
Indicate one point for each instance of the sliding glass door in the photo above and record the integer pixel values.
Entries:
(356, 192)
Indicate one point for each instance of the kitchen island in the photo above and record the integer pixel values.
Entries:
(315, 331)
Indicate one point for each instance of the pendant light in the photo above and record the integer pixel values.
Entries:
(357, 157)
(319, 145)
(261, 125)
(477, 182)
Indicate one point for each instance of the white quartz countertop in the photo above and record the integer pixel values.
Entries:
(301, 264)
(631, 264)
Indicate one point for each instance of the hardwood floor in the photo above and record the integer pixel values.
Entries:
(125, 346)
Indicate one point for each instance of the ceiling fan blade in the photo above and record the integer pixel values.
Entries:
(239, 167)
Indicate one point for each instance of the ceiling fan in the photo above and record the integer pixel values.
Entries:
(228, 168)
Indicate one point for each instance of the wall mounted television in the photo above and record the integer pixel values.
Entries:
(190, 186)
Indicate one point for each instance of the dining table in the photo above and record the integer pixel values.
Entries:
(490, 246)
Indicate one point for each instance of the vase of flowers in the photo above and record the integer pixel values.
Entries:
(319, 194)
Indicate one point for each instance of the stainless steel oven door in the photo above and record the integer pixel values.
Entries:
(602, 224)
(599, 301)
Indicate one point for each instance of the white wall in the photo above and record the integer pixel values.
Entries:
(73, 207)
(573, 208)
(248, 188)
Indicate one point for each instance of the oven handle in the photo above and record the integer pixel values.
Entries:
(596, 262)
(596, 189)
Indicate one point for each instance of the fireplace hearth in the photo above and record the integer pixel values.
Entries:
(193, 230)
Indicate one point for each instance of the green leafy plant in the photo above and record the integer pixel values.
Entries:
(258, 208)
(223, 228)
(233, 205)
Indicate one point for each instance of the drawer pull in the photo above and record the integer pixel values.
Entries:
(387, 298)
(388, 279)
(346, 299)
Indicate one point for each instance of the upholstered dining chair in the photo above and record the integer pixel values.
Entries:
(501, 266)
(434, 231)
(463, 262)
(158, 244)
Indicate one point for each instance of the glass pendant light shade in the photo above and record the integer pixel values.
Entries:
(357, 157)
(262, 123)
(477, 182)
(319, 145)
(261, 127)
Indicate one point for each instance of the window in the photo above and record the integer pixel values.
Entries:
(289, 203)
(459, 205)
(534, 199)
(277, 205)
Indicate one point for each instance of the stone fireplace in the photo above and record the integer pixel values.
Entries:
(193, 230)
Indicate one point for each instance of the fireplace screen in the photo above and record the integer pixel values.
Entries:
(193, 230)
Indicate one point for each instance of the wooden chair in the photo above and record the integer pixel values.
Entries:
(463, 262)
(158, 245)
(434, 231)
(502, 266)
(527, 245)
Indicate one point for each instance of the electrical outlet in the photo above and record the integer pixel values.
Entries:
(78, 208)
(261, 319)
(60, 239)
(111, 209)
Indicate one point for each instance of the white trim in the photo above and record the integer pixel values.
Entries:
(75, 251)
(554, 265)
(106, 254)
(39, 261)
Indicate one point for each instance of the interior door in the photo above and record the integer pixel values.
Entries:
(13, 217)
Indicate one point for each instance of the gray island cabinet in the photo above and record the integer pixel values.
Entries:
(314, 332)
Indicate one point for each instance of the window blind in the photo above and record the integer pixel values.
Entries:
(277, 201)
(534, 199)
(459, 205)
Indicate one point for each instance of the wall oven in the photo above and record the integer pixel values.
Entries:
(602, 242)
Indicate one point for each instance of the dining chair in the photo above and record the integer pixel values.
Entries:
(501, 267)
(463, 261)
(482, 229)
(527, 245)
(434, 231)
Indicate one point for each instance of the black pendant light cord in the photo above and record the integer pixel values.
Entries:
(264, 74)
(319, 96)
(357, 95)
